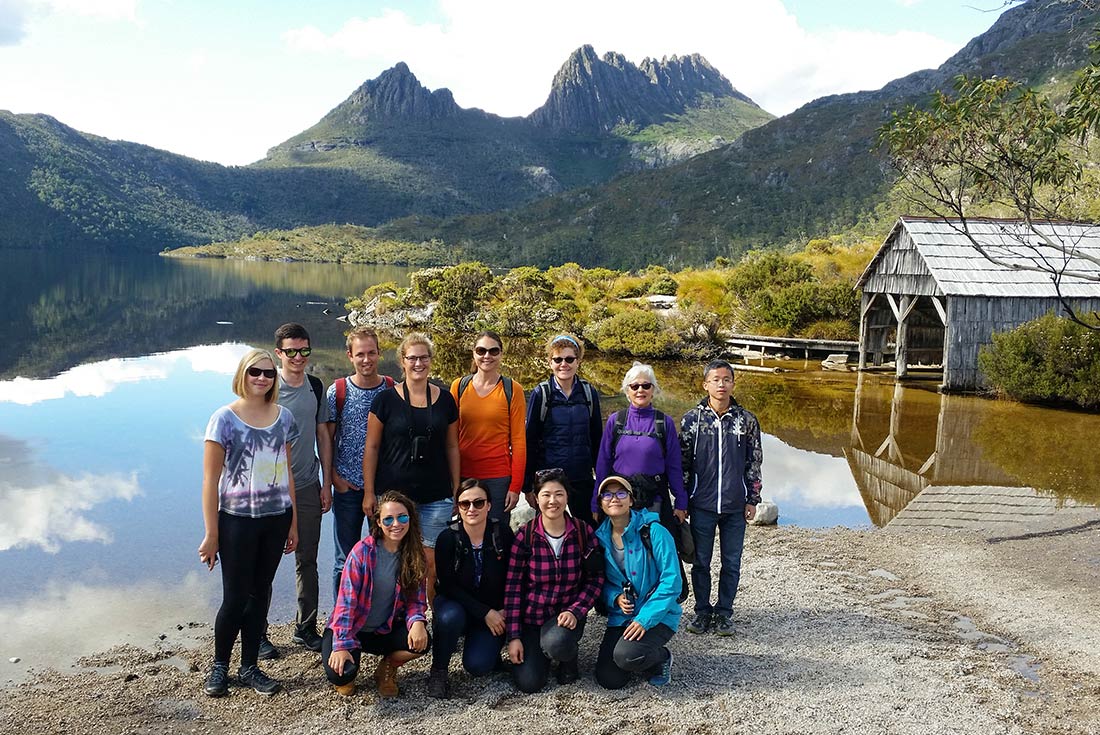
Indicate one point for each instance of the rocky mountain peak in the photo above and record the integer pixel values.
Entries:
(396, 92)
(592, 95)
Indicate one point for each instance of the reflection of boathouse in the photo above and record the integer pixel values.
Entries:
(929, 291)
(916, 463)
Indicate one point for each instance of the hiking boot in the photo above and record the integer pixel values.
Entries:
(307, 637)
(251, 676)
(344, 690)
(267, 651)
(217, 681)
(437, 684)
(385, 676)
(724, 625)
(700, 623)
(664, 673)
(568, 672)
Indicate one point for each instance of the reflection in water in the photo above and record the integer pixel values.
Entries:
(928, 460)
(41, 507)
(97, 379)
(97, 618)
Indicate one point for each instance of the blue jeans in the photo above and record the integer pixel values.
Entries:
(480, 655)
(731, 531)
(434, 517)
(347, 529)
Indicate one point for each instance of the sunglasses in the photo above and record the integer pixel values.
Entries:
(477, 504)
(640, 386)
(256, 372)
(567, 359)
(292, 352)
(390, 520)
(483, 351)
(620, 494)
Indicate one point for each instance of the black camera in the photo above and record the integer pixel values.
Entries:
(419, 452)
(630, 592)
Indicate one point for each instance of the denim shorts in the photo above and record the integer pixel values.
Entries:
(433, 519)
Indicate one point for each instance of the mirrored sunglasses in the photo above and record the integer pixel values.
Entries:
(292, 352)
(390, 520)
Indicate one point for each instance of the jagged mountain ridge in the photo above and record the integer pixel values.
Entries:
(807, 174)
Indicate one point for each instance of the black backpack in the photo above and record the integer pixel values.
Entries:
(462, 548)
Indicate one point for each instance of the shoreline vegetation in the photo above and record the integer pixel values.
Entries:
(648, 313)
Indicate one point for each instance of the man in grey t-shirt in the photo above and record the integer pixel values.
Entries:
(303, 396)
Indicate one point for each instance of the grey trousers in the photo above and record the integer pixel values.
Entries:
(308, 497)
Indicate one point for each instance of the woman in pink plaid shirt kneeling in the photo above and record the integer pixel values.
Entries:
(554, 577)
(381, 601)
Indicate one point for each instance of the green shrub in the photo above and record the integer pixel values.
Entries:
(635, 331)
(662, 285)
(1049, 359)
(460, 287)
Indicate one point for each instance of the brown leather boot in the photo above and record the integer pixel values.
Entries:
(385, 675)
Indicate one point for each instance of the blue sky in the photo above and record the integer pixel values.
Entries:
(225, 80)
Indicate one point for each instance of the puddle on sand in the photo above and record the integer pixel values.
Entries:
(1021, 663)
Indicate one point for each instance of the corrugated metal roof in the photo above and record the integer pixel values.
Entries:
(960, 269)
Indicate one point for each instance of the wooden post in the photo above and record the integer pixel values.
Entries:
(901, 355)
(864, 328)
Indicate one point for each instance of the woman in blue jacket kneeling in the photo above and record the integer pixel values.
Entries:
(642, 583)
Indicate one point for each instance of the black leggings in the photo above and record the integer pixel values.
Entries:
(250, 550)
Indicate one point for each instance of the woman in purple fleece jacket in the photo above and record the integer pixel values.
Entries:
(633, 448)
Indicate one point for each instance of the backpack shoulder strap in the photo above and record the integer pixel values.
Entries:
(463, 384)
(617, 431)
(587, 387)
(544, 390)
(659, 429)
(390, 382)
(528, 533)
(507, 391)
(647, 540)
(341, 396)
(318, 388)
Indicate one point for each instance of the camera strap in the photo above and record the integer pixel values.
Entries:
(409, 407)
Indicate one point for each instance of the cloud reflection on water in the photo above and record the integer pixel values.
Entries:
(97, 379)
(64, 622)
(807, 479)
(41, 507)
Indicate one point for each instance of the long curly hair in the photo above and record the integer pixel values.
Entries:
(413, 568)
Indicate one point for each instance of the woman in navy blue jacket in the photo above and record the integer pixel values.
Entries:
(564, 425)
(640, 589)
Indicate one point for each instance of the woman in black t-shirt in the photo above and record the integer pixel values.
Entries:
(412, 445)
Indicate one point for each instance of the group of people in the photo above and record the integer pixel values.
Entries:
(436, 473)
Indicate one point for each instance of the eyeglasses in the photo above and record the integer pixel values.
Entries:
(640, 386)
(477, 504)
(292, 352)
(620, 494)
(483, 351)
(418, 358)
(567, 359)
(390, 520)
(554, 473)
(721, 381)
(256, 372)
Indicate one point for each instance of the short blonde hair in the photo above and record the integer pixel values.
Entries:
(416, 338)
(250, 358)
(640, 371)
(564, 342)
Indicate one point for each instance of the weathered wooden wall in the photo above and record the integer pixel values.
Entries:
(971, 322)
(901, 270)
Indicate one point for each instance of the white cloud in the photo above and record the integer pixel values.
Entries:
(51, 512)
(501, 55)
(97, 379)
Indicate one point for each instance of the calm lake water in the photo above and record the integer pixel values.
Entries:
(114, 364)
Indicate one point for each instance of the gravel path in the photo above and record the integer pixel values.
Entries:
(838, 632)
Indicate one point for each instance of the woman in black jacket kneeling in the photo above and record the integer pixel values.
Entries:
(471, 562)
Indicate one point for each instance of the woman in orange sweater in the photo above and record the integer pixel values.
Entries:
(492, 440)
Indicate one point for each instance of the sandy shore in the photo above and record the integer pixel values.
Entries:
(838, 632)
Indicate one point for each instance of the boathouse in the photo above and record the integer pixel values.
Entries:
(930, 297)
